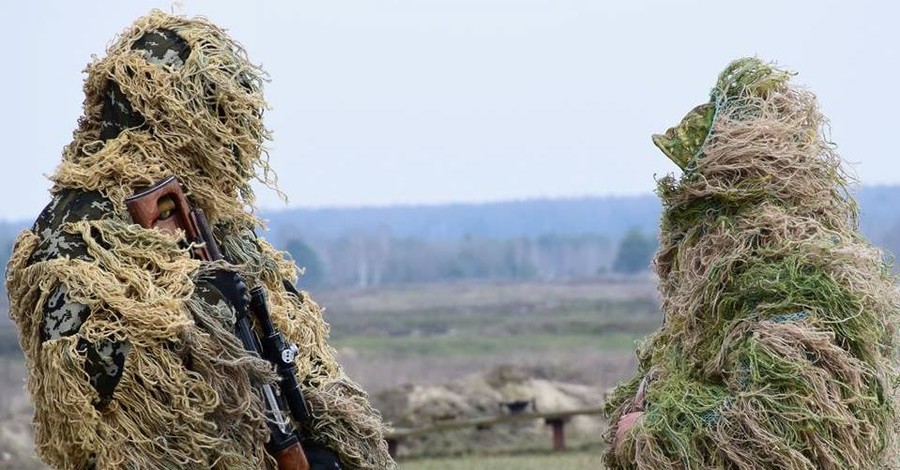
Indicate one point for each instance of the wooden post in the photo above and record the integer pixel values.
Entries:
(557, 421)
(558, 425)
(392, 446)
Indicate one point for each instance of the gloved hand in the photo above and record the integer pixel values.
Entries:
(231, 286)
(321, 457)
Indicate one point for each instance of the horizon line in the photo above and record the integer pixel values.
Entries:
(262, 210)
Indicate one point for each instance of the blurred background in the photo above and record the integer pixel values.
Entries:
(470, 182)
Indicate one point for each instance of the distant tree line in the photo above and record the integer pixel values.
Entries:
(634, 253)
(375, 259)
(517, 240)
(379, 259)
(6, 244)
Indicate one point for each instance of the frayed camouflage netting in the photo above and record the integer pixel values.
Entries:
(778, 347)
(185, 395)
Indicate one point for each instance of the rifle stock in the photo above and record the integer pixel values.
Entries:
(165, 207)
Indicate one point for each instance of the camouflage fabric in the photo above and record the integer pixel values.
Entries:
(61, 316)
(163, 47)
(105, 360)
(159, 47)
(683, 142)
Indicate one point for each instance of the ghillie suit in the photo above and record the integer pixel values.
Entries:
(129, 345)
(778, 348)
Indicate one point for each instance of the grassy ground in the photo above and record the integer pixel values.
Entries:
(582, 332)
(568, 461)
(460, 344)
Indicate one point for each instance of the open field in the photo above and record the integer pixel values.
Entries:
(582, 333)
(568, 461)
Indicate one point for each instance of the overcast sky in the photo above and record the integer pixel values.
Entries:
(379, 102)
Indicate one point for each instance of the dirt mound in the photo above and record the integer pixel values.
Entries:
(484, 395)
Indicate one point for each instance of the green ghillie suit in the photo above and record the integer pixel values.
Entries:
(131, 356)
(778, 349)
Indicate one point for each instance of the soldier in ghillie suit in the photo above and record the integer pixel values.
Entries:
(129, 341)
(778, 347)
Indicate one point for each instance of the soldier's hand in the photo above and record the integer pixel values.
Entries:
(626, 422)
(321, 457)
(232, 287)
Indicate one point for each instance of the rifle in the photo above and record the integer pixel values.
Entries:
(165, 207)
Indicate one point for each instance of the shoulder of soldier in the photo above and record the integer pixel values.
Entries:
(67, 205)
(72, 205)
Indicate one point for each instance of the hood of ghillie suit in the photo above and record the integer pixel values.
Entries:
(173, 95)
(92, 292)
(778, 348)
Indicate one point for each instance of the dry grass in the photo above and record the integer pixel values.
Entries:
(582, 333)
(568, 461)
(413, 299)
(596, 368)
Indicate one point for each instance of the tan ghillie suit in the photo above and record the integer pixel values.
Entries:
(131, 359)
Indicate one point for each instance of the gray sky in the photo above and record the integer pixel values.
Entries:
(424, 101)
